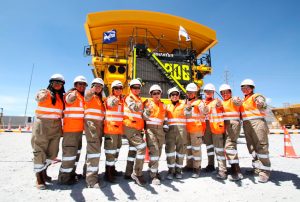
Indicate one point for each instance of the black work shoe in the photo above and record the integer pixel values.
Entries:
(178, 176)
(117, 173)
(139, 179)
(46, 177)
(187, 169)
(196, 173)
(127, 177)
(67, 180)
(170, 176)
(210, 168)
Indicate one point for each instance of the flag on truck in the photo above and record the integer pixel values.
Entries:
(183, 32)
(110, 36)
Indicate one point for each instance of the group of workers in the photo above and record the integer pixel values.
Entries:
(181, 125)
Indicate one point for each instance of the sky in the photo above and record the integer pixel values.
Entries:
(257, 39)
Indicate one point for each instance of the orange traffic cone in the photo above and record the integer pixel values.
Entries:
(289, 151)
(9, 127)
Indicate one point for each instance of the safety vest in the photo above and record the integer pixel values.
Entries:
(231, 111)
(113, 123)
(175, 114)
(133, 119)
(94, 109)
(158, 112)
(73, 115)
(47, 110)
(216, 120)
(194, 124)
(249, 109)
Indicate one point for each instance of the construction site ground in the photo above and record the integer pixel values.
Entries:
(18, 180)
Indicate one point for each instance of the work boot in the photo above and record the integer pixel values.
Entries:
(77, 176)
(236, 173)
(67, 179)
(98, 185)
(210, 168)
(155, 181)
(170, 175)
(109, 176)
(127, 177)
(221, 175)
(263, 177)
(116, 173)
(196, 172)
(45, 176)
(178, 175)
(187, 169)
(139, 179)
(40, 183)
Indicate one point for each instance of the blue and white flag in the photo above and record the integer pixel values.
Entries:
(183, 32)
(110, 36)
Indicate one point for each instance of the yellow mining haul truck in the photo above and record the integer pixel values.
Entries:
(288, 116)
(156, 47)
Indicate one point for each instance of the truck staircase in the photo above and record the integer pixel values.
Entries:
(162, 69)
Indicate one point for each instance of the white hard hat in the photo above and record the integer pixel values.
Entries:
(248, 82)
(191, 87)
(57, 77)
(224, 87)
(209, 86)
(135, 82)
(116, 83)
(80, 79)
(155, 87)
(174, 89)
(98, 81)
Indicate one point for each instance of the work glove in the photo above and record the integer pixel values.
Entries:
(260, 102)
(204, 108)
(71, 97)
(137, 106)
(115, 101)
(218, 103)
(237, 101)
(41, 95)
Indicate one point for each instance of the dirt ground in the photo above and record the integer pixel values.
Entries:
(18, 180)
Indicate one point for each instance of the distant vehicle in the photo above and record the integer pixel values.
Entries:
(288, 116)
(158, 48)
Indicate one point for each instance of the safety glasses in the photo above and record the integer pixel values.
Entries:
(118, 88)
(155, 93)
(81, 84)
(136, 87)
(57, 83)
(174, 94)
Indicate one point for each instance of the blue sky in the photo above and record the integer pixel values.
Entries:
(258, 39)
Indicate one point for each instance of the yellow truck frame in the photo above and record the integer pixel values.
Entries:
(148, 44)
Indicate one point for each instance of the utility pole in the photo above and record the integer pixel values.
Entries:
(28, 93)
(1, 120)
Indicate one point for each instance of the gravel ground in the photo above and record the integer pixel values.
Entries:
(18, 180)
